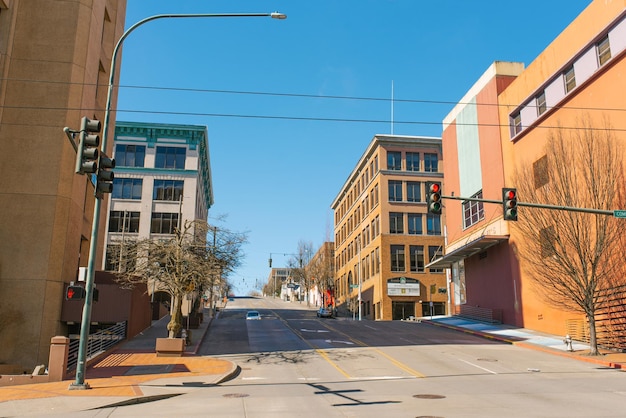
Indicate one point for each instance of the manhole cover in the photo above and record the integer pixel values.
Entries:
(428, 396)
(235, 395)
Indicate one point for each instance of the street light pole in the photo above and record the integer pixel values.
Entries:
(89, 280)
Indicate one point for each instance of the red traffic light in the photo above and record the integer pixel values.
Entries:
(510, 194)
(434, 187)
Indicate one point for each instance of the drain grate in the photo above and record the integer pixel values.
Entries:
(428, 396)
(235, 395)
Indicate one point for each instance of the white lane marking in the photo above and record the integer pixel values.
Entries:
(382, 377)
(340, 342)
(313, 330)
(371, 327)
(477, 366)
(306, 379)
(253, 378)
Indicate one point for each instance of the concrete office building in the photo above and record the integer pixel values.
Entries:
(384, 235)
(162, 179)
(54, 60)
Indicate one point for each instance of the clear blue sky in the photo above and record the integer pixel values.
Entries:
(290, 105)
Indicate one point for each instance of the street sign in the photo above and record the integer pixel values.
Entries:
(354, 286)
(619, 213)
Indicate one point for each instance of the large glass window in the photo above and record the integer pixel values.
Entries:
(431, 163)
(415, 224)
(396, 224)
(164, 223)
(416, 255)
(127, 188)
(120, 257)
(394, 160)
(413, 191)
(130, 155)
(168, 190)
(433, 224)
(413, 161)
(473, 211)
(433, 254)
(516, 123)
(170, 157)
(123, 221)
(395, 191)
(397, 258)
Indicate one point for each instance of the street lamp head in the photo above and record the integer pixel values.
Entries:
(278, 15)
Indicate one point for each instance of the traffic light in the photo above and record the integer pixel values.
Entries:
(104, 182)
(509, 204)
(87, 152)
(433, 197)
(74, 292)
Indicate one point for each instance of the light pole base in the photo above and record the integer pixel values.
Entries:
(79, 386)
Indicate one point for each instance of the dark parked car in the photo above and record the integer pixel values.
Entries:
(324, 313)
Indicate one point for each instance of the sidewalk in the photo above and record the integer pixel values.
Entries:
(530, 339)
(128, 372)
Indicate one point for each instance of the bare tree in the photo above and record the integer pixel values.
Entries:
(576, 258)
(322, 270)
(189, 262)
(299, 267)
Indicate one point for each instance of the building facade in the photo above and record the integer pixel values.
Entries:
(162, 179)
(54, 59)
(579, 75)
(384, 234)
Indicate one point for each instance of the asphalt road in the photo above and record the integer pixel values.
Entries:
(295, 364)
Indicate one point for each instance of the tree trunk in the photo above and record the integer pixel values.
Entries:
(593, 341)
(174, 326)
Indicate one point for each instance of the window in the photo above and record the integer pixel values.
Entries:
(541, 103)
(540, 172)
(412, 161)
(397, 258)
(516, 124)
(123, 221)
(170, 157)
(171, 190)
(473, 212)
(396, 224)
(431, 163)
(416, 256)
(415, 224)
(394, 160)
(433, 254)
(127, 188)
(164, 223)
(604, 50)
(413, 191)
(569, 79)
(395, 191)
(130, 155)
(433, 224)
(377, 260)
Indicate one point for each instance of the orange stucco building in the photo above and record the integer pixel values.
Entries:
(503, 120)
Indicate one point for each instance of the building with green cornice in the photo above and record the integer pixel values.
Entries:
(162, 179)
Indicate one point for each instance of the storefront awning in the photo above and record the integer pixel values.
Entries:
(467, 250)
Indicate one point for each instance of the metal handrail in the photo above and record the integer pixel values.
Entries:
(98, 343)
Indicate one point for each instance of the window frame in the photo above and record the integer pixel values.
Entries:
(397, 258)
(396, 223)
(540, 102)
(164, 154)
(603, 53)
(120, 185)
(431, 162)
(432, 222)
(569, 79)
(413, 191)
(397, 190)
(122, 156)
(412, 224)
(415, 252)
(473, 212)
(412, 161)
(173, 222)
(394, 160)
(170, 190)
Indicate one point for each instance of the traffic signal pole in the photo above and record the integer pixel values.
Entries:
(535, 205)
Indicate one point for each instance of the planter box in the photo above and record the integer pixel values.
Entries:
(170, 347)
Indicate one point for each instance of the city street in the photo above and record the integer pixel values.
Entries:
(293, 363)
